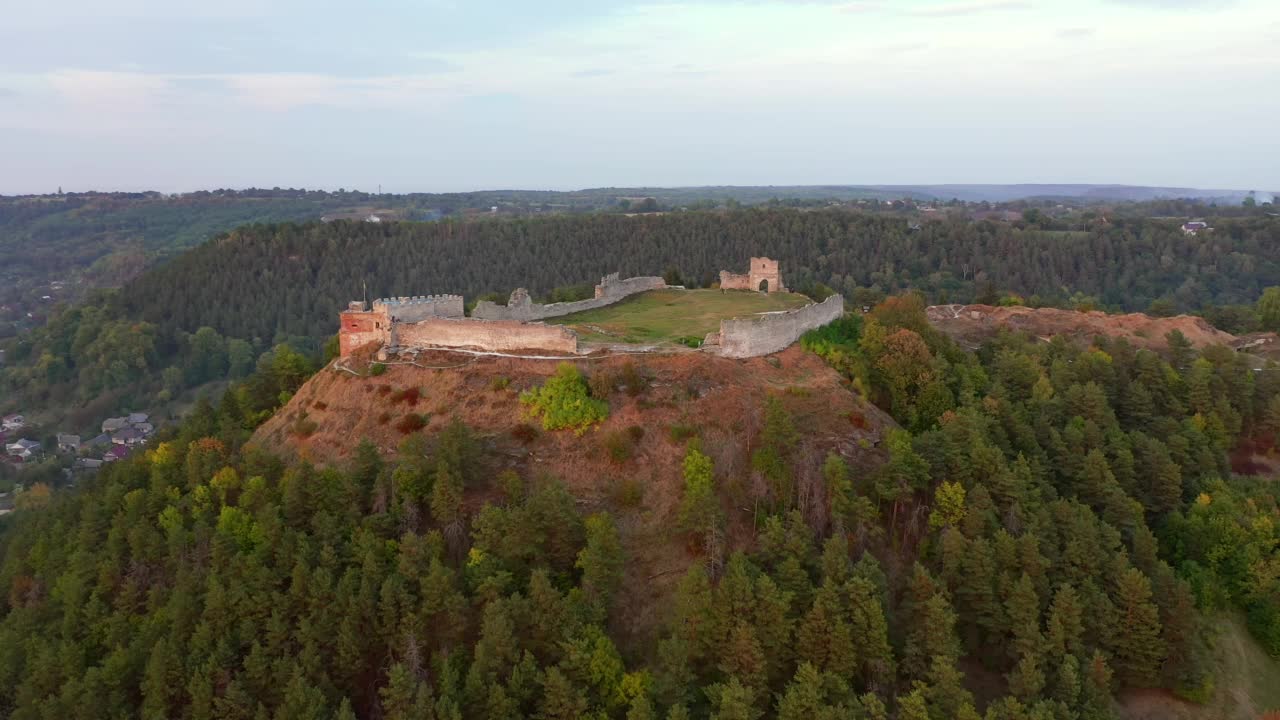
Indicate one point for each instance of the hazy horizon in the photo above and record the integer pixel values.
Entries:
(444, 96)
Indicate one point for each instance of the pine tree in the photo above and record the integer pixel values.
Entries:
(560, 699)
(743, 658)
(870, 632)
(804, 698)
(976, 594)
(1065, 625)
(1023, 611)
(734, 701)
(1139, 649)
(601, 561)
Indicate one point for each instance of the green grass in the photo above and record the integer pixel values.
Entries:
(670, 315)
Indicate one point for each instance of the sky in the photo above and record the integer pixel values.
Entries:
(452, 95)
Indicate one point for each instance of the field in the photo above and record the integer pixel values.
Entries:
(670, 315)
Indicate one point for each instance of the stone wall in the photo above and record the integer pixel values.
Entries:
(521, 307)
(772, 332)
(762, 269)
(493, 335)
(611, 287)
(420, 307)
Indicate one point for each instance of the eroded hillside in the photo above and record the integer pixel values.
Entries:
(719, 400)
(970, 325)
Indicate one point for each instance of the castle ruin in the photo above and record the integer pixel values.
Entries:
(440, 321)
(762, 275)
(522, 307)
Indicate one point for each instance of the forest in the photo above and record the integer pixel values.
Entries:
(1050, 525)
(262, 285)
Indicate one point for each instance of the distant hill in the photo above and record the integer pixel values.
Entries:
(1113, 193)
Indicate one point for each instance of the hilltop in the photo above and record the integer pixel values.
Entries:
(630, 464)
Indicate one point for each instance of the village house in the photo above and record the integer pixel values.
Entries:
(1195, 226)
(68, 443)
(117, 452)
(24, 450)
(13, 422)
(100, 441)
(128, 436)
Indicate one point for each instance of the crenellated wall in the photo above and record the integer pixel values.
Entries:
(492, 335)
(420, 307)
(768, 333)
(521, 307)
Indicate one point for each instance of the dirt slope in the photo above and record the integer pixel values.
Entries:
(1245, 683)
(970, 325)
(721, 397)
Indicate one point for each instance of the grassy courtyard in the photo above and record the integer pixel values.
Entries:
(670, 315)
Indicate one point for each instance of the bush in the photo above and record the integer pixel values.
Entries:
(633, 379)
(525, 433)
(635, 432)
(305, 427)
(627, 492)
(563, 402)
(499, 383)
(377, 369)
(321, 405)
(601, 384)
(620, 446)
(411, 423)
(384, 418)
(408, 396)
(692, 341)
(681, 432)
(384, 389)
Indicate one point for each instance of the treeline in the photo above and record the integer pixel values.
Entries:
(1054, 519)
(289, 278)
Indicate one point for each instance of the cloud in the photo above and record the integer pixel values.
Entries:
(1178, 4)
(970, 8)
(1076, 32)
(853, 8)
(592, 72)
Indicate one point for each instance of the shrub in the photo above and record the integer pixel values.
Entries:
(633, 379)
(601, 383)
(797, 391)
(681, 432)
(620, 446)
(305, 427)
(563, 402)
(635, 432)
(377, 369)
(408, 396)
(692, 341)
(525, 433)
(627, 492)
(321, 405)
(411, 423)
(499, 383)
(384, 418)
(384, 389)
